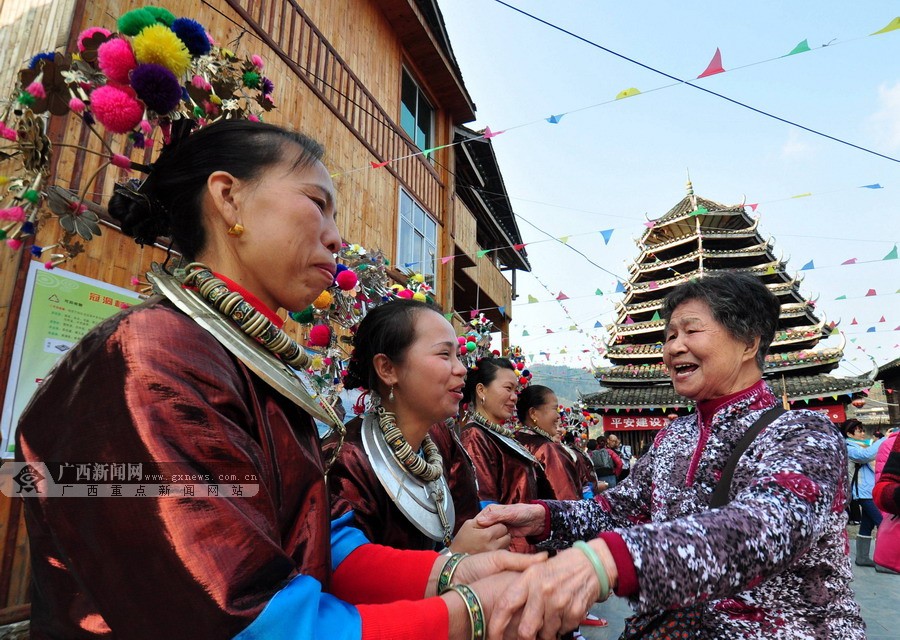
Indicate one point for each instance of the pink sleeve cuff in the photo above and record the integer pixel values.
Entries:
(375, 574)
(540, 537)
(628, 581)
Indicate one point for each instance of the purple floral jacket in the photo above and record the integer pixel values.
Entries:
(772, 563)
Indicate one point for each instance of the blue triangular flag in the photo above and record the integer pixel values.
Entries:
(807, 266)
(872, 186)
(870, 330)
(597, 325)
(555, 119)
(502, 310)
(620, 288)
(607, 234)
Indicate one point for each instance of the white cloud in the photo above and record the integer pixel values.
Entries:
(886, 120)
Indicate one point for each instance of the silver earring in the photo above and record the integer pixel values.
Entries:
(391, 394)
(482, 399)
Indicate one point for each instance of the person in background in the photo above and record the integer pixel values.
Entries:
(538, 412)
(761, 555)
(405, 359)
(624, 453)
(255, 206)
(861, 453)
(586, 476)
(604, 464)
(887, 549)
(887, 489)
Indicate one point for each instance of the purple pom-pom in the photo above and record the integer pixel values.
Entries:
(88, 118)
(193, 35)
(157, 87)
(266, 86)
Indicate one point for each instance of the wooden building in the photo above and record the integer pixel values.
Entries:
(376, 82)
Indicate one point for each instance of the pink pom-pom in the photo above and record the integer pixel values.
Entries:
(257, 61)
(14, 243)
(89, 32)
(406, 294)
(76, 105)
(116, 60)
(48, 265)
(346, 280)
(146, 127)
(200, 83)
(9, 134)
(134, 281)
(116, 108)
(118, 160)
(37, 90)
(252, 118)
(319, 336)
(13, 214)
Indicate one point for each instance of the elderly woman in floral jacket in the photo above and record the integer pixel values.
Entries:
(771, 562)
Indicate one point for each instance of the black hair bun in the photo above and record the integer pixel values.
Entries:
(139, 214)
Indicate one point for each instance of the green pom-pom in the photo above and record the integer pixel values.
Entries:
(2, 234)
(199, 112)
(303, 317)
(25, 99)
(135, 21)
(163, 16)
(32, 196)
(470, 346)
(251, 79)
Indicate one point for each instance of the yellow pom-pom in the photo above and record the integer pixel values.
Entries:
(159, 45)
(420, 297)
(215, 99)
(3, 180)
(418, 277)
(317, 363)
(323, 301)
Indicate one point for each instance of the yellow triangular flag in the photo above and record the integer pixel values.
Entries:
(893, 25)
(564, 239)
(770, 271)
(627, 93)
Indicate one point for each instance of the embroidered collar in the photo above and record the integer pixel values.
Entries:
(756, 396)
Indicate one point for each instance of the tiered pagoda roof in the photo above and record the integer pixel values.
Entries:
(695, 238)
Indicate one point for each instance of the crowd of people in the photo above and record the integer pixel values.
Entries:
(449, 488)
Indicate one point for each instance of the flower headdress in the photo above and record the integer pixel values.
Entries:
(152, 75)
(518, 362)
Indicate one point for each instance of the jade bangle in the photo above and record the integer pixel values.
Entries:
(586, 549)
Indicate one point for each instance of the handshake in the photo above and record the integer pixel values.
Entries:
(518, 596)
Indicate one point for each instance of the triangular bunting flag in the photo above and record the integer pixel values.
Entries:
(488, 134)
(752, 206)
(531, 299)
(620, 288)
(525, 333)
(561, 351)
(564, 239)
(573, 327)
(482, 252)
(629, 320)
(892, 254)
(871, 292)
(715, 65)
(427, 152)
(473, 313)
(850, 261)
(562, 296)
(627, 93)
(598, 292)
(770, 270)
(802, 195)
(653, 284)
(378, 165)
(555, 119)
(870, 330)
(872, 186)
(549, 330)
(699, 210)
(607, 234)
(809, 265)
(502, 310)
(893, 25)
(843, 297)
(803, 47)
(597, 325)
(446, 259)
(854, 321)
(519, 247)
(656, 316)
(650, 224)
(882, 319)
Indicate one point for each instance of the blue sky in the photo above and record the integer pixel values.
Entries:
(605, 167)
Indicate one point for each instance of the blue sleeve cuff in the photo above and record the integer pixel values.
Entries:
(485, 503)
(345, 539)
(301, 611)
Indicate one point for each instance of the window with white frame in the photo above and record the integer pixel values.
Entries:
(418, 238)
(416, 114)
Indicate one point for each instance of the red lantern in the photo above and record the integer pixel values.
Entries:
(859, 403)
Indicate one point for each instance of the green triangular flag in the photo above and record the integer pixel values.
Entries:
(448, 316)
(843, 297)
(481, 252)
(525, 333)
(699, 210)
(892, 255)
(656, 316)
(891, 26)
(573, 327)
(598, 292)
(803, 47)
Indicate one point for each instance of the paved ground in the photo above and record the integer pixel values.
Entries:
(878, 595)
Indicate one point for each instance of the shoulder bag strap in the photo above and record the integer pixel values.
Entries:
(720, 493)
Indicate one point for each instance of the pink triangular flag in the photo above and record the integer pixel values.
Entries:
(629, 320)
(650, 224)
(519, 247)
(562, 296)
(446, 259)
(378, 165)
(850, 261)
(653, 284)
(473, 313)
(715, 65)
(488, 134)
(854, 321)
(882, 319)
(549, 330)
(752, 206)
(871, 292)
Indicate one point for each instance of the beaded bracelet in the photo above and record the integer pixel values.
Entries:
(585, 548)
(473, 604)
(448, 571)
